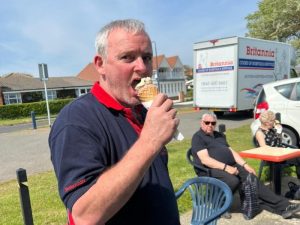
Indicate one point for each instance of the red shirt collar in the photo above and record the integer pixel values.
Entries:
(104, 98)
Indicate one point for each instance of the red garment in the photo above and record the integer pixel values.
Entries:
(131, 114)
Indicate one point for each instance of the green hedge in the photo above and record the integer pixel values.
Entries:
(15, 111)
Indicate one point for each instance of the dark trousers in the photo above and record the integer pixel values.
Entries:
(267, 198)
(296, 163)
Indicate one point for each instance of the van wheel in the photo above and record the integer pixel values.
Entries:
(288, 137)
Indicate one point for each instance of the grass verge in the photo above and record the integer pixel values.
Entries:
(11, 122)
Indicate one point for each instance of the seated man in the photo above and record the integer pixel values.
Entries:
(210, 149)
(269, 133)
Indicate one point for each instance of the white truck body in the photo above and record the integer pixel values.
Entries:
(229, 72)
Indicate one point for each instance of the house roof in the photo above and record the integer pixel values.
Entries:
(172, 61)
(159, 60)
(21, 82)
(89, 73)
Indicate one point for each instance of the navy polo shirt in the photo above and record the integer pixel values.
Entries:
(93, 133)
(216, 145)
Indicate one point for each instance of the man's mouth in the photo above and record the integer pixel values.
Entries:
(135, 83)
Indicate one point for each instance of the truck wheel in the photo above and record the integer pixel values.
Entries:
(289, 137)
(219, 113)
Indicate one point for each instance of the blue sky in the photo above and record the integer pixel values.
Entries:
(62, 33)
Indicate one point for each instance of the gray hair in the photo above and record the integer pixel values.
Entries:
(209, 114)
(129, 25)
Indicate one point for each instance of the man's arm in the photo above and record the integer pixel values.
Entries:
(239, 160)
(116, 185)
(260, 137)
(215, 164)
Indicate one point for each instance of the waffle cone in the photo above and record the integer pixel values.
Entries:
(147, 92)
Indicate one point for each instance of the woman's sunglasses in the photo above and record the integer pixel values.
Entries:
(213, 123)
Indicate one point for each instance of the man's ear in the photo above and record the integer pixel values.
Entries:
(98, 62)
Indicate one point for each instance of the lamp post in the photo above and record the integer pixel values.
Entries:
(156, 62)
(43, 71)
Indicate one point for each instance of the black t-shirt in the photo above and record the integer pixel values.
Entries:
(272, 138)
(216, 146)
(85, 140)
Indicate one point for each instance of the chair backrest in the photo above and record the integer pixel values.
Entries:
(191, 160)
(222, 128)
(210, 199)
(278, 117)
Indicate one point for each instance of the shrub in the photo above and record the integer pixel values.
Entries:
(15, 111)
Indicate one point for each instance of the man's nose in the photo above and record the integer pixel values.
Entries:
(140, 65)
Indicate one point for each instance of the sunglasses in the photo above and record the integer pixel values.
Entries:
(213, 123)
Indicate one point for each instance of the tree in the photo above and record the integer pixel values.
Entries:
(188, 72)
(276, 20)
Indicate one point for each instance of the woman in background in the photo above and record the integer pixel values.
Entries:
(269, 133)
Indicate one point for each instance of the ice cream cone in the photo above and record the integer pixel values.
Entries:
(147, 92)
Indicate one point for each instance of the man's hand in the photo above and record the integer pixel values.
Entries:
(161, 121)
(249, 169)
(232, 170)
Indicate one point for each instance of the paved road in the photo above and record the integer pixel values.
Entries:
(23, 147)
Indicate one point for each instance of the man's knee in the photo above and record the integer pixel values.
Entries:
(233, 182)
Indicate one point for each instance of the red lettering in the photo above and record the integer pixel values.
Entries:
(248, 50)
(221, 63)
(72, 186)
(259, 52)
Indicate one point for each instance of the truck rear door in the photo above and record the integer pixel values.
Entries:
(215, 77)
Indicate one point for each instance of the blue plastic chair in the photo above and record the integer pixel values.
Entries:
(210, 198)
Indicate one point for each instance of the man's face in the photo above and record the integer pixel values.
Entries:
(208, 124)
(129, 58)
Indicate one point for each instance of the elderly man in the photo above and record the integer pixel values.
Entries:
(210, 149)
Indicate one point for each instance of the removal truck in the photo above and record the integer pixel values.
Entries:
(229, 72)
